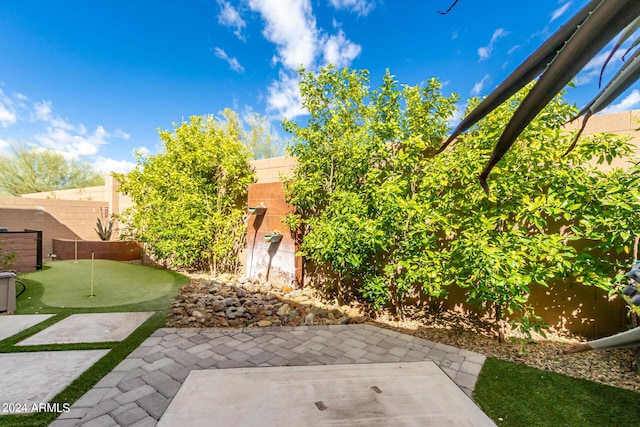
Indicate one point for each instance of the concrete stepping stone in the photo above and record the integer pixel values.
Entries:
(382, 394)
(90, 327)
(13, 324)
(28, 380)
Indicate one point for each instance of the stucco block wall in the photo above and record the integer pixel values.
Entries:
(66, 219)
(270, 170)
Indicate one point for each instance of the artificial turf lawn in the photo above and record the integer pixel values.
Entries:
(517, 395)
(68, 283)
(31, 302)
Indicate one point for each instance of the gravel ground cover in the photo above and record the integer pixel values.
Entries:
(231, 301)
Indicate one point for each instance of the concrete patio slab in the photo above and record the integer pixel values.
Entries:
(381, 394)
(12, 324)
(91, 327)
(28, 379)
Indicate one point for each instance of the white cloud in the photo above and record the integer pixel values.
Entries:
(485, 51)
(628, 103)
(105, 165)
(291, 25)
(230, 17)
(37, 124)
(42, 110)
(8, 114)
(233, 62)
(360, 7)
(4, 145)
(560, 11)
(477, 88)
(284, 97)
(119, 133)
(74, 143)
(340, 51)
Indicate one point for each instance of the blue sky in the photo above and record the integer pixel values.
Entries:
(96, 79)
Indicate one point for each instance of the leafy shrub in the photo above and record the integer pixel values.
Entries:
(391, 220)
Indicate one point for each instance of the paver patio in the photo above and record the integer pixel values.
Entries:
(139, 390)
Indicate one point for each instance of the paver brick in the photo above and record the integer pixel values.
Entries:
(355, 353)
(465, 380)
(199, 348)
(470, 368)
(129, 364)
(181, 374)
(123, 408)
(261, 358)
(102, 421)
(237, 356)
(446, 348)
(145, 422)
(131, 416)
(151, 341)
(168, 388)
(170, 369)
(100, 409)
(138, 372)
(154, 378)
(150, 358)
(129, 385)
(91, 398)
(155, 404)
(199, 339)
(222, 349)
(398, 351)
(158, 364)
(135, 394)
(64, 423)
(111, 379)
(246, 346)
(437, 355)
(74, 413)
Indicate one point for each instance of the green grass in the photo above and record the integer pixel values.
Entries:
(32, 302)
(68, 283)
(517, 395)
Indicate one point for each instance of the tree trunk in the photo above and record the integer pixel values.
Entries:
(501, 325)
(339, 293)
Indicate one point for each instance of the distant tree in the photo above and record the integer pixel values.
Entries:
(28, 170)
(263, 142)
(188, 199)
(261, 139)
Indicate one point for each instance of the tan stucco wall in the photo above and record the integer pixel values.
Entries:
(65, 219)
(624, 123)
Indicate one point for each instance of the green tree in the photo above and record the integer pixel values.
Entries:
(392, 221)
(188, 199)
(360, 163)
(28, 170)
